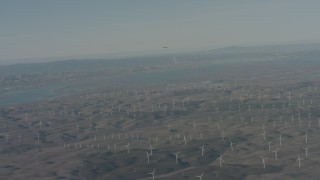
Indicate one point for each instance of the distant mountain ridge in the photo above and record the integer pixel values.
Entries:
(284, 48)
(230, 52)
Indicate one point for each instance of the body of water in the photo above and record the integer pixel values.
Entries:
(31, 95)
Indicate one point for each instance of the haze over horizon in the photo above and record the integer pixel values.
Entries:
(36, 29)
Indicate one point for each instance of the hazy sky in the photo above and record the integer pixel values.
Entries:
(53, 28)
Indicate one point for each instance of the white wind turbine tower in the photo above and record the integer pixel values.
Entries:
(263, 161)
(299, 160)
(7, 137)
(231, 144)
(269, 144)
(194, 126)
(38, 135)
(309, 123)
(306, 150)
(222, 136)
(128, 147)
(280, 140)
(245, 124)
(289, 97)
(292, 118)
(220, 160)
(264, 135)
(19, 138)
(176, 155)
(285, 124)
(278, 97)
(306, 137)
(200, 177)
(185, 140)
(152, 173)
(148, 156)
(275, 155)
(151, 148)
(202, 149)
(209, 120)
(300, 122)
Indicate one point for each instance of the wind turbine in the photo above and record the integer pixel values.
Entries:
(309, 123)
(128, 147)
(269, 144)
(280, 140)
(231, 144)
(306, 149)
(7, 137)
(202, 149)
(263, 161)
(152, 173)
(275, 154)
(38, 137)
(264, 135)
(200, 177)
(151, 148)
(176, 155)
(148, 156)
(220, 160)
(300, 123)
(299, 160)
(306, 136)
(19, 137)
(222, 135)
(194, 126)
